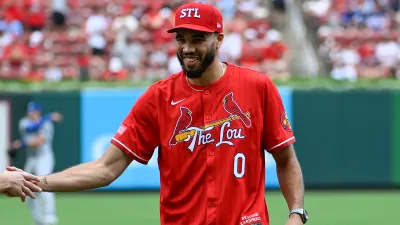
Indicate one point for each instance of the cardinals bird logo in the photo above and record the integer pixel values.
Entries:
(184, 120)
(285, 122)
(234, 110)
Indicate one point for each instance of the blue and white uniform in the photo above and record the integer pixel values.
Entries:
(40, 161)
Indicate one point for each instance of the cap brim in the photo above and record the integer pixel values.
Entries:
(33, 111)
(191, 27)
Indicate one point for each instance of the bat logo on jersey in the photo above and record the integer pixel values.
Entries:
(200, 135)
(285, 122)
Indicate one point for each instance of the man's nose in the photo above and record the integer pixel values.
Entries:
(188, 48)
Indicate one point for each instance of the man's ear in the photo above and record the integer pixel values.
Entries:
(220, 38)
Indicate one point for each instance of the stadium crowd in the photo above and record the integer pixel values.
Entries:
(123, 39)
(358, 38)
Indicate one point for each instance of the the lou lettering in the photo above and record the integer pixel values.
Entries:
(203, 137)
(229, 134)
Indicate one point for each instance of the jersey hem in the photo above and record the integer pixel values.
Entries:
(129, 152)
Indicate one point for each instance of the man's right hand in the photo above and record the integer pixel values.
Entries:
(19, 183)
(56, 117)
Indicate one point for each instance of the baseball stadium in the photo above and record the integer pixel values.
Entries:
(83, 65)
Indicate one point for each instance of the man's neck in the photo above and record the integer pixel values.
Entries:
(34, 119)
(213, 73)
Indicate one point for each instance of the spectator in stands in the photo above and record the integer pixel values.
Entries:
(35, 42)
(53, 72)
(5, 40)
(173, 63)
(388, 54)
(369, 66)
(36, 17)
(11, 19)
(36, 74)
(123, 27)
(276, 56)
(115, 70)
(96, 26)
(345, 62)
(158, 63)
(132, 53)
(367, 54)
(16, 59)
(379, 20)
(227, 8)
(247, 6)
(59, 10)
(125, 22)
(152, 18)
(13, 10)
(158, 57)
(71, 72)
(97, 66)
(231, 48)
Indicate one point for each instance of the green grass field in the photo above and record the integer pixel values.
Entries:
(323, 82)
(325, 208)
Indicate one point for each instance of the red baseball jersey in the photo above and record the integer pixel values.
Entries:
(212, 143)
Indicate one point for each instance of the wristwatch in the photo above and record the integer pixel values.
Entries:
(302, 212)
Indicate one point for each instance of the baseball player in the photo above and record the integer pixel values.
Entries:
(37, 133)
(212, 123)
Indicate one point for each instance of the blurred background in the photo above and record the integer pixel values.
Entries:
(336, 63)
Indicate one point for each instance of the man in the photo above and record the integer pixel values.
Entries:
(211, 122)
(18, 184)
(37, 133)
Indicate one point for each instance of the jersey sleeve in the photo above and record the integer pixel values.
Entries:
(47, 131)
(138, 135)
(277, 129)
(23, 123)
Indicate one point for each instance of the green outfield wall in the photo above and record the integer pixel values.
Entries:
(396, 139)
(344, 138)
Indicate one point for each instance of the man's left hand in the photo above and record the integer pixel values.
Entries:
(294, 219)
(15, 145)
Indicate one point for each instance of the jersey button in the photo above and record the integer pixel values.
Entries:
(212, 153)
(206, 92)
(212, 178)
(208, 117)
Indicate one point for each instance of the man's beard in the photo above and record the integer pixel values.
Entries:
(208, 59)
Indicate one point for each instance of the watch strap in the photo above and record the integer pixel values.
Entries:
(302, 212)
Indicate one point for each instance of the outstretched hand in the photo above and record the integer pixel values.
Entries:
(19, 183)
(56, 117)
